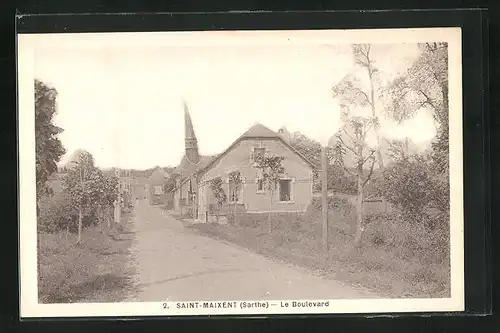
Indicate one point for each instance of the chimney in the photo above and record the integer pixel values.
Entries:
(284, 134)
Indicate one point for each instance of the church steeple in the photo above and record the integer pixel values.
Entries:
(191, 144)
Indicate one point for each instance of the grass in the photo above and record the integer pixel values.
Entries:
(391, 267)
(96, 270)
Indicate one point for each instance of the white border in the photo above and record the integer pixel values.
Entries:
(27, 45)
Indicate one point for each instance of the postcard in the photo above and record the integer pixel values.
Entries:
(240, 172)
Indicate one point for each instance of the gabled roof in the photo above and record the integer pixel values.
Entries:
(255, 132)
(259, 131)
(158, 176)
(187, 169)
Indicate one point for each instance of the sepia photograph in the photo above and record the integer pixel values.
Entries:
(240, 172)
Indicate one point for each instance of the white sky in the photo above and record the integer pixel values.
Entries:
(121, 98)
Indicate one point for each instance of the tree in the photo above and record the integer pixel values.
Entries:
(408, 186)
(104, 193)
(171, 182)
(350, 90)
(74, 185)
(352, 136)
(364, 156)
(425, 86)
(169, 186)
(48, 148)
(235, 184)
(311, 149)
(271, 171)
(219, 195)
(89, 190)
(399, 150)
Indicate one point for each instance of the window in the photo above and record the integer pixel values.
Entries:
(258, 153)
(285, 189)
(233, 193)
(236, 194)
(260, 185)
(190, 193)
(158, 190)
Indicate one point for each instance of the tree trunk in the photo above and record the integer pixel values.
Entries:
(269, 220)
(99, 215)
(108, 216)
(80, 222)
(234, 214)
(324, 198)
(359, 202)
(374, 115)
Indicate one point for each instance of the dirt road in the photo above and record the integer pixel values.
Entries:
(177, 264)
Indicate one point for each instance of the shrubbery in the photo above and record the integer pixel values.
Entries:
(339, 204)
(56, 213)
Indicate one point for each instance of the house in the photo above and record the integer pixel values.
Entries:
(193, 192)
(155, 186)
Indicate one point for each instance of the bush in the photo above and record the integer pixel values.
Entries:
(408, 238)
(335, 203)
(55, 213)
(408, 186)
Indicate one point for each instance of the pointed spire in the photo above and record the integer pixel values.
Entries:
(188, 126)
(191, 144)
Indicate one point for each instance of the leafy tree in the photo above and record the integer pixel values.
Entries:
(48, 148)
(169, 186)
(104, 194)
(399, 150)
(171, 182)
(90, 191)
(236, 182)
(219, 195)
(338, 180)
(310, 148)
(408, 186)
(76, 187)
(271, 171)
(425, 85)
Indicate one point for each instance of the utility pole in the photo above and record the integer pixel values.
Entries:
(324, 197)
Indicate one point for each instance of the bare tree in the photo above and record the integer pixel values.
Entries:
(352, 138)
(352, 94)
(351, 91)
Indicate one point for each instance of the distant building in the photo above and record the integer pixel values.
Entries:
(155, 186)
(295, 190)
